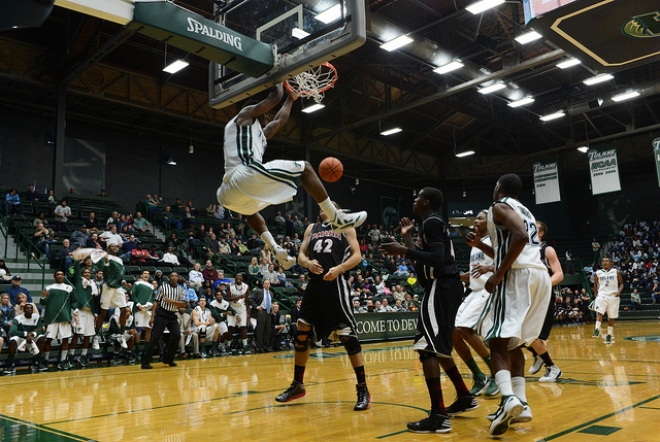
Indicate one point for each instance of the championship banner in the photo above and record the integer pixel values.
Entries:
(656, 155)
(546, 182)
(604, 169)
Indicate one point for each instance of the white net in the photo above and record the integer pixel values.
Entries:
(314, 82)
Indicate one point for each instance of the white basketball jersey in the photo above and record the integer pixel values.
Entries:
(530, 257)
(480, 258)
(238, 290)
(243, 144)
(608, 282)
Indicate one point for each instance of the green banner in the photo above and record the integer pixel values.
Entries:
(389, 212)
(191, 32)
(386, 326)
(656, 155)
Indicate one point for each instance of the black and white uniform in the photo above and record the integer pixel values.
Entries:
(437, 272)
(165, 317)
(326, 305)
(550, 315)
(472, 313)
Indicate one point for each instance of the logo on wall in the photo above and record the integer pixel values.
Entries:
(643, 26)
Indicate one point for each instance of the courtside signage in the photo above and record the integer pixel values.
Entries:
(385, 326)
(604, 169)
(546, 182)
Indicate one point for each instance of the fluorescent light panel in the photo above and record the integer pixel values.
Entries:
(583, 149)
(396, 43)
(598, 79)
(299, 33)
(625, 96)
(554, 116)
(454, 65)
(392, 131)
(175, 67)
(492, 88)
(467, 153)
(313, 108)
(329, 15)
(568, 63)
(483, 5)
(528, 37)
(522, 102)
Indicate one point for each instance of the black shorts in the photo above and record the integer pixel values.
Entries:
(437, 314)
(326, 306)
(549, 320)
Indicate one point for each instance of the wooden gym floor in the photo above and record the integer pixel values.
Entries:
(607, 393)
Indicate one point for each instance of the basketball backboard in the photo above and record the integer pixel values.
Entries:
(302, 33)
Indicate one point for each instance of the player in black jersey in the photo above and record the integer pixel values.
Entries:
(435, 265)
(326, 305)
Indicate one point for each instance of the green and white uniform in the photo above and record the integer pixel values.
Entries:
(112, 293)
(57, 312)
(143, 295)
(21, 326)
(85, 303)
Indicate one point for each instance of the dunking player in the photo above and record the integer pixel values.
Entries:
(608, 286)
(250, 185)
(470, 314)
(538, 349)
(438, 274)
(326, 305)
(520, 288)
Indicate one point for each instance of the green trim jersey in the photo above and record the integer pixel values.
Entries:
(113, 323)
(477, 257)
(143, 294)
(608, 282)
(85, 292)
(530, 257)
(57, 303)
(21, 326)
(218, 308)
(244, 145)
(113, 272)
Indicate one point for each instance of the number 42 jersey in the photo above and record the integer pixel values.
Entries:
(530, 257)
(327, 247)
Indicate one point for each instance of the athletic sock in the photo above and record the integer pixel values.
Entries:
(245, 343)
(83, 352)
(63, 355)
(299, 373)
(489, 363)
(457, 380)
(47, 356)
(503, 378)
(435, 393)
(359, 373)
(597, 325)
(532, 351)
(474, 368)
(518, 383)
(268, 239)
(547, 360)
(610, 330)
(329, 209)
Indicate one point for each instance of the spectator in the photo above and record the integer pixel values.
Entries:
(40, 219)
(195, 277)
(7, 312)
(210, 273)
(128, 247)
(79, 238)
(656, 292)
(636, 300)
(140, 224)
(65, 256)
(31, 195)
(170, 258)
(12, 202)
(51, 197)
(91, 224)
(171, 220)
(62, 215)
(43, 239)
(5, 275)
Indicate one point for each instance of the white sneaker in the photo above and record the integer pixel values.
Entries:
(508, 411)
(536, 366)
(122, 341)
(95, 342)
(283, 258)
(552, 373)
(524, 416)
(345, 220)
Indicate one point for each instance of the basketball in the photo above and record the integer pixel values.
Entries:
(331, 169)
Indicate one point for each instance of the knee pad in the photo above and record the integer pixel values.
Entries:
(424, 355)
(302, 340)
(351, 344)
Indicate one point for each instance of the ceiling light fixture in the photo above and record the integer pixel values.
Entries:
(444, 69)
(313, 108)
(568, 63)
(329, 15)
(522, 102)
(528, 37)
(467, 153)
(396, 43)
(556, 115)
(175, 67)
(490, 89)
(171, 161)
(299, 33)
(394, 130)
(583, 149)
(598, 79)
(483, 5)
(625, 96)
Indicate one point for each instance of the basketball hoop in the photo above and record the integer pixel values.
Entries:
(313, 82)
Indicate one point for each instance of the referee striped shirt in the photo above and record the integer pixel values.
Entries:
(166, 293)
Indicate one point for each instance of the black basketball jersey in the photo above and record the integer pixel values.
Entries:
(327, 247)
(544, 246)
(434, 230)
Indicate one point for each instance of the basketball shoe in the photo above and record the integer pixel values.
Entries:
(283, 258)
(480, 385)
(536, 366)
(435, 423)
(295, 391)
(344, 220)
(363, 397)
(509, 410)
(462, 404)
(552, 373)
(524, 416)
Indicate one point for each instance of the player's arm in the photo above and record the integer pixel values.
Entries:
(247, 115)
(620, 279)
(352, 260)
(505, 215)
(473, 239)
(280, 119)
(555, 266)
(195, 318)
(303, 254)
(596, 286)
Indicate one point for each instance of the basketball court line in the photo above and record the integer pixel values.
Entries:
(50, 434)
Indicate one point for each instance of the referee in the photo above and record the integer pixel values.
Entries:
(169, 298)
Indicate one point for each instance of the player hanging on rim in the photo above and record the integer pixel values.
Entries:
(326, 304)
(249, 185)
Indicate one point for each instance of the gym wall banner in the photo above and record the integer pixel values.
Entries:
(604, 169)
(656, 155)
(546, 182)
